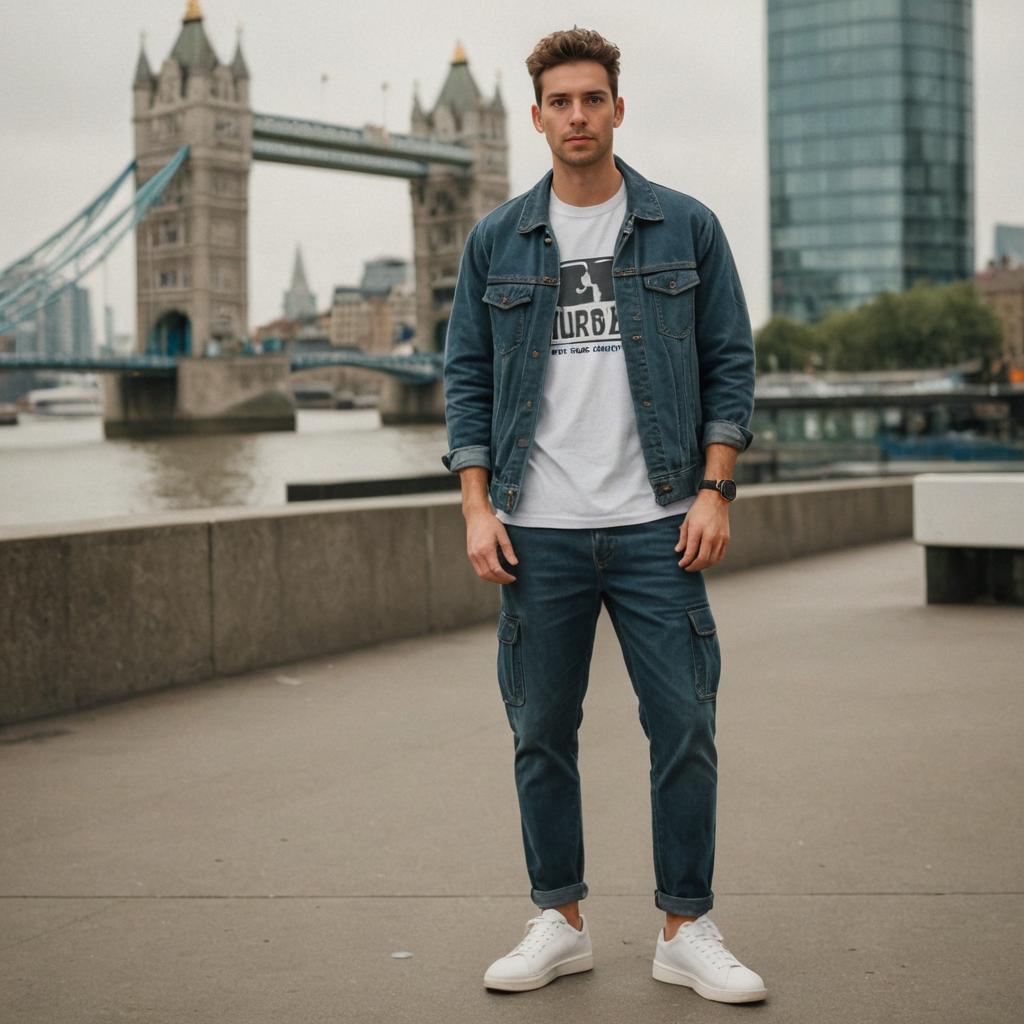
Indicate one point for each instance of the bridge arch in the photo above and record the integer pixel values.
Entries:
(171, 335)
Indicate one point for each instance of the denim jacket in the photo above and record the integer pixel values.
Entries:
(683, 319)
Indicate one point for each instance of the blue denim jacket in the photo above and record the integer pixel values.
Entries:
(685, 332)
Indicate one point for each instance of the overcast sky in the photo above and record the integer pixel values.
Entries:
(693, 80)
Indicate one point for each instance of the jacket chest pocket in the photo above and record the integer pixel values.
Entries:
(671, 292)
(509, 306)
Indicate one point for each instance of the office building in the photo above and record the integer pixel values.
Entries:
(870, 131)
(1009, 247)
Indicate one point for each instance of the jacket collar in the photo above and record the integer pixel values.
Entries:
(641, 201)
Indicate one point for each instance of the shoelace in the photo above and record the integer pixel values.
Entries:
(709, 944)
(536, 935)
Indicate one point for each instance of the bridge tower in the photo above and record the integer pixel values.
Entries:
(191, 250)
(448, 202)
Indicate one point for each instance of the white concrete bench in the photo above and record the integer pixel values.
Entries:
(972, 528)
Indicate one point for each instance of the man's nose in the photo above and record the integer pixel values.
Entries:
(578, 114)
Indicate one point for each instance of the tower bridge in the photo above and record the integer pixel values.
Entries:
(192, 243)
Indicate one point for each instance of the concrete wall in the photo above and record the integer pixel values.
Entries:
(411, 403)
(222, 395)
(109, 608)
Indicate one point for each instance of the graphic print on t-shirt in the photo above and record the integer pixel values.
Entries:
(585, 322)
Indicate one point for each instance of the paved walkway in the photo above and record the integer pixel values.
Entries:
(256, 849)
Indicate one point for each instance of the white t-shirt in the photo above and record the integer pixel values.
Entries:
(586, 467)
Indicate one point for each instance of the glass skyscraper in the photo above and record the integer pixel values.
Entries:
(870, 133)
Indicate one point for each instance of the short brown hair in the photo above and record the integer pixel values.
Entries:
(572, 45)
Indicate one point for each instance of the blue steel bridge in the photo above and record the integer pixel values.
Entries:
(415, 368)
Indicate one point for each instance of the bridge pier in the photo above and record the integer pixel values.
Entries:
(411, 403)
(222, 395)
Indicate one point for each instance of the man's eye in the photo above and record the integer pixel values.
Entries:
(597, 99)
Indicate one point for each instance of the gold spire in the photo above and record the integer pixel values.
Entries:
(460, 55)
(192, 12)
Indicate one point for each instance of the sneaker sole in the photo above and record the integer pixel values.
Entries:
(675, 976)
(574, 965)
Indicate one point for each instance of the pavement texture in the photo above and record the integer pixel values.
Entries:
(256, 849)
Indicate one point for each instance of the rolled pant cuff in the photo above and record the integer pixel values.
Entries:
(683, 907)
(559, 897)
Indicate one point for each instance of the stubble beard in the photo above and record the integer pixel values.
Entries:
(585, 158)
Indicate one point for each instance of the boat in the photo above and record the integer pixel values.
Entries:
(66, 400)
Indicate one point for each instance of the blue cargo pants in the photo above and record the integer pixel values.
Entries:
(663, 621)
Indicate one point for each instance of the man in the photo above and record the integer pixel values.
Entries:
(599, 379)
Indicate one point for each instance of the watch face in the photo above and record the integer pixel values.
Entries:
(728, 488)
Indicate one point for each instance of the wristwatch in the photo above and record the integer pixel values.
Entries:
(726, 488)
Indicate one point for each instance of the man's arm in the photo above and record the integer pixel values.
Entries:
(725, 344)
(725, 352)
(469, 397)
(468, 364)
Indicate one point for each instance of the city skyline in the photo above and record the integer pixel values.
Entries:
(716, 111)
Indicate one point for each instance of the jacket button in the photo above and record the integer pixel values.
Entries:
(671, 284)
(664, 488)
(529, 403)
(638, 337)
(549, 280)
(535, 354)
(504, 300)
(647, 403)
(547, 239)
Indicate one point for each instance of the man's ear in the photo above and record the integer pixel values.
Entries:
(620, 111)
(535, 115)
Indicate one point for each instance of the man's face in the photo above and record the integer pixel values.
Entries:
(576, 112)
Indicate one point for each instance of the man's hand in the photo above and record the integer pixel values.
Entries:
(704, 532)
(485, 534)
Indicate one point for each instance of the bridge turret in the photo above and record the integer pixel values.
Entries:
(191, 249)
(144, 82)
(240, 71)
(419, 119)
(449, 202)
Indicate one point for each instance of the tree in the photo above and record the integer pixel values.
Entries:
(786, 345)
(926, 326)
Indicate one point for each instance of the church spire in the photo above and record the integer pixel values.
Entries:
(299, 271)
(299, 301)
(192, 12)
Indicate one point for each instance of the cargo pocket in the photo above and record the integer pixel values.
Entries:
(707, 656)
(510, 660)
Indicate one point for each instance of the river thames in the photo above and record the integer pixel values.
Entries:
(63, 470)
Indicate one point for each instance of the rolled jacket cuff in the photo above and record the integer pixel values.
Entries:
(467, 455)
(726, 432)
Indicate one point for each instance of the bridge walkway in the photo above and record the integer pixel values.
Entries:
(256, 849)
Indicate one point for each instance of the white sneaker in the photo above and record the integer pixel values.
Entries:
(550, 947)
(697, 958)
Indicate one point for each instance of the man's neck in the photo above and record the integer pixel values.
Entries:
(586, 186)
